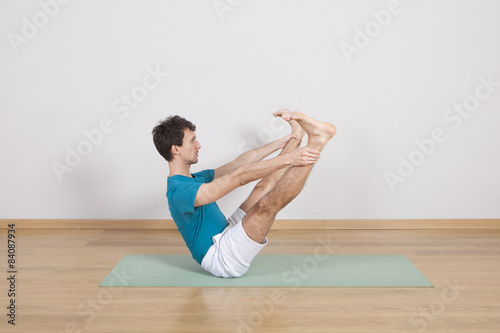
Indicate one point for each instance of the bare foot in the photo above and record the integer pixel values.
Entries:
(287, 116)
(318, 132)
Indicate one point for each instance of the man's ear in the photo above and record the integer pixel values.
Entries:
(174, 150)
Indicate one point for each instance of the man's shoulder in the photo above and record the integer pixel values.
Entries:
(205, 176)
(176, 183)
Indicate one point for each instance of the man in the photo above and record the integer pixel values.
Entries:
(223, 247)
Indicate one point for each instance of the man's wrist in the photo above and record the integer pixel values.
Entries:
(276, 145)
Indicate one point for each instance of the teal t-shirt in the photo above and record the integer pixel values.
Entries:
(197, 225)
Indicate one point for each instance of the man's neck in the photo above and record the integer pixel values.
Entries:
(179, 169)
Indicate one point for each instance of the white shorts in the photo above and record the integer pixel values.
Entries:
(232, 250)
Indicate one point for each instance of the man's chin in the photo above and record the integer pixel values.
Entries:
(193, 161)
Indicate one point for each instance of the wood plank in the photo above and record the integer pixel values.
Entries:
(59, 272)
(341, 224)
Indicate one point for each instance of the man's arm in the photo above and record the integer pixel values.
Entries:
(213, 191)
(253, 156)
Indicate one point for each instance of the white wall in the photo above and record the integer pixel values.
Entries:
(228, 70)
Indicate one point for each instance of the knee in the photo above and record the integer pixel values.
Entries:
(266, 206)
(264, 186)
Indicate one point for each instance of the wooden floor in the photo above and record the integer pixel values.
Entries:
(59, 272)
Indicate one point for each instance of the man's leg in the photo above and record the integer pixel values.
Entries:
(267, 183)
(260, 217)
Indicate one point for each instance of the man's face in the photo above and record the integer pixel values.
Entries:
(190, 147)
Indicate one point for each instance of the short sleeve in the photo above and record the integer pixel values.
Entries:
(183, 197)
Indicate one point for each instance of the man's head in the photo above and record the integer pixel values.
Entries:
(174, 137)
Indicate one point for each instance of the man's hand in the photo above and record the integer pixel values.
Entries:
(282, 142)
(303, 156)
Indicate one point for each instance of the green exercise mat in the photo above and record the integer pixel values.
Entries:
(160, 270)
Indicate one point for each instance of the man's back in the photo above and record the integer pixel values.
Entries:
(197, 225)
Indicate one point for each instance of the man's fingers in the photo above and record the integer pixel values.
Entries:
(306, 156)
(311, 150)
(290, 137)
(310, 159)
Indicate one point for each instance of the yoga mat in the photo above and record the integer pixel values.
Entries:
(160, 270)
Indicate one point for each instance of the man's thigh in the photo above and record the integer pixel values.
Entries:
(259, 219)
(232, 251)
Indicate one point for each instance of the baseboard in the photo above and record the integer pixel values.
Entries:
(400, 224)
